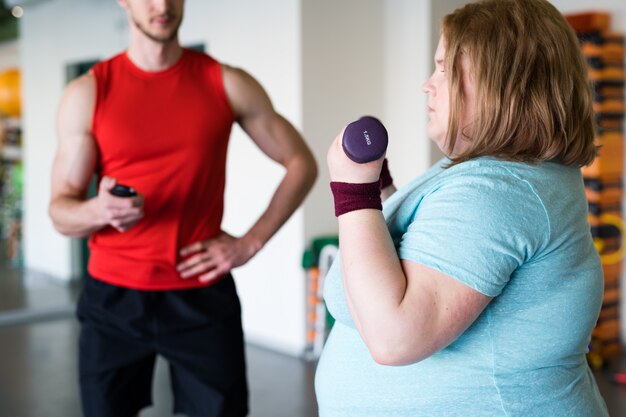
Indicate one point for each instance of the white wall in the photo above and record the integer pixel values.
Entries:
(9, 54)
(408, 61)
(364, 57)
(342, 67)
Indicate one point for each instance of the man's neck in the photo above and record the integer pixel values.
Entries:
(152, 56)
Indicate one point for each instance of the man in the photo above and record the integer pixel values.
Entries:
(157, 118)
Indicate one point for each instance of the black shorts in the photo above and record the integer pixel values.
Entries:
(198, 331)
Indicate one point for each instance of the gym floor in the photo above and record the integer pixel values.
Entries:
(38, 335)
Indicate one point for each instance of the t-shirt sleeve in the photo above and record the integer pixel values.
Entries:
(477, 229)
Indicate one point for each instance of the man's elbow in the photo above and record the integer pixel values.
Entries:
(309, 165)
(305, 167)
(53, 217)
(312, 171)
(59, 225)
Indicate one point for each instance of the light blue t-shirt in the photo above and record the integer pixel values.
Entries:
(513, 231)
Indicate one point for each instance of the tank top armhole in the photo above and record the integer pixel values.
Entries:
(97, 72)
(217, 73)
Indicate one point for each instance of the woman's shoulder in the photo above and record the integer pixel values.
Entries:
(492, 188)
(499, 174)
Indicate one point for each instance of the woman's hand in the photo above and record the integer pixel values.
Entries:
(343, 169)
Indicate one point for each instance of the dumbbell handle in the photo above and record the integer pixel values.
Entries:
(365, 140)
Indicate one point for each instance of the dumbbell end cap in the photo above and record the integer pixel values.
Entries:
(365, 140)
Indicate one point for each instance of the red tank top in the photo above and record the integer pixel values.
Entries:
(165, 134)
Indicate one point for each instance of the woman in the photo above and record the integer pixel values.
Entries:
(475, 291)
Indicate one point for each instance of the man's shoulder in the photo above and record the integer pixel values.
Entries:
(110, 60)
(83, 85)
(102, 68)
(200, 56)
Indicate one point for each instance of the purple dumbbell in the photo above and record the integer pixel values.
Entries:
(365, 140)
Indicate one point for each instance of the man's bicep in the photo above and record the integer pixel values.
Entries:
(271, 132)
(73, 167)
(76, 154)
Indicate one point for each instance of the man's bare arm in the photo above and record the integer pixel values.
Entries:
(280, 141)
(73, 167)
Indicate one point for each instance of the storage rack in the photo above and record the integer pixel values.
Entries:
(604, 51)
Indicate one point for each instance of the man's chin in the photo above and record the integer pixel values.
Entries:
(162, 37)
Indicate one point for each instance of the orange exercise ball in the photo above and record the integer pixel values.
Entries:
(10, 93)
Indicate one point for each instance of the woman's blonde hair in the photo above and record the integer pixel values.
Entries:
(533, 100)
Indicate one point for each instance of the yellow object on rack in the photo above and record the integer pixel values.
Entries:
(10, 93)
